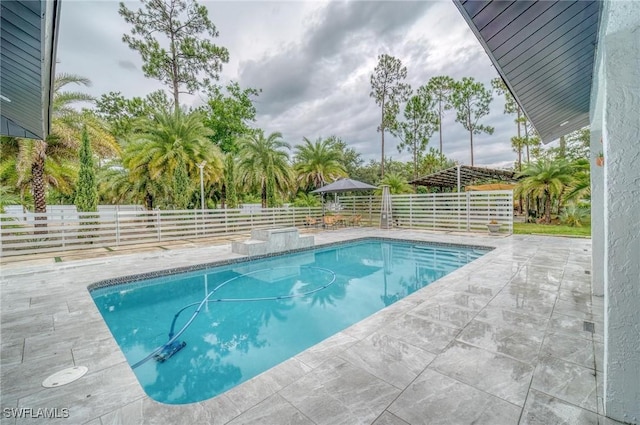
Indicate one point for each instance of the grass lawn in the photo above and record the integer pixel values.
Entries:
(551, 229)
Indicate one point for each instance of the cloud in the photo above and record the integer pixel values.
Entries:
(128, 65)
(313, 61)
(340, 37)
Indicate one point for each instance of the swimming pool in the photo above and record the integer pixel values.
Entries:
(193, 335)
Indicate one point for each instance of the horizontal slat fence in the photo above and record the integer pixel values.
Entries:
(54, 232)
(466, 211)
(41, 233)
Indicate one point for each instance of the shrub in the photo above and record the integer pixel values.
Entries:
(306, 200)
(575, 216)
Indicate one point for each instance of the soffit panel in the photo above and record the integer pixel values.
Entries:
(21, 56)
(545, 52)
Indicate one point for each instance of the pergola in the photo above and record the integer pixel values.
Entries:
(463, 175)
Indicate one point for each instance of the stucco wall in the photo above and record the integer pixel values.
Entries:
(618, 45)
(597, 182)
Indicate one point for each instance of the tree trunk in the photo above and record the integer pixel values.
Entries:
(471, 139)
(382, 132)
(38, 186)
(520, 204)
(415, 163)
(559, 203)
(526, 136)
(223, 196)
(547, 208)
(440, 124)
(470, 130)
(148, 201)
(264, 194)
(174, 76)
(519, 142)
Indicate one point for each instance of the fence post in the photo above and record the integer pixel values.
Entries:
(226, 220)
(117, 227)
(411, 211)
(433, 211)
(468, 211)
(195, 222)
(510, 197)
(459, 211)
(158, 224)
(63, 226)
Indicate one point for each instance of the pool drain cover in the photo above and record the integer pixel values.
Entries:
(65, 376)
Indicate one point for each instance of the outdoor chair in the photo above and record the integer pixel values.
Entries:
(310, 221)
(329, 221)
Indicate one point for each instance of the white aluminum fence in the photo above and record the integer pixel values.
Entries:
(54, 232)
(467, 211)
(40, 233)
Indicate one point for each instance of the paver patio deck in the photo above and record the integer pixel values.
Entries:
(499, 341)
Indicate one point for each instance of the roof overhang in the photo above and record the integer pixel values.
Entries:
(29, 36)
(467, 175)
(545, 53)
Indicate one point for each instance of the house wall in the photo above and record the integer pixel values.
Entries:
(597, 185)
(617, 87)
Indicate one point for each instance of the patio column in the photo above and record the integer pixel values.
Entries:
(619, 36)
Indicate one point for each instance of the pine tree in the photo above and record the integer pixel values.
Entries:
(87, 189)
(388, 90)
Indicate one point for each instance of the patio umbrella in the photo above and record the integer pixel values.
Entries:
(342, 185)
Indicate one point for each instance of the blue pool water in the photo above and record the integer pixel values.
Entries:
(270, 310)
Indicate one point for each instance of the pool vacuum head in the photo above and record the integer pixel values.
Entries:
(169, 350)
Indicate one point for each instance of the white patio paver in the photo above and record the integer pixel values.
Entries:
(500, 340)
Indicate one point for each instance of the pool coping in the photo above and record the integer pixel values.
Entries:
(123, 280)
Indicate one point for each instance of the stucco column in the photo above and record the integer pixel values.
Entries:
(597, 194)
(621, 143)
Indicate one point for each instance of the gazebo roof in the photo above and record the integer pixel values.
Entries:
(468, 175)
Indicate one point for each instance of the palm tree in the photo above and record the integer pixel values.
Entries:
(160, 144)
(545, 179)
(580, 187)
(397, 184)
(317, 163)
(53, 162)
(264, 164)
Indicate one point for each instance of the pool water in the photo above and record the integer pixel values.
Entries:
(263, 312)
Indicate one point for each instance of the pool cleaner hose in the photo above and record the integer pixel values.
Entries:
(172, 346)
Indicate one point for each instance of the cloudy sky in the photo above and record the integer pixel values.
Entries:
(313, 62)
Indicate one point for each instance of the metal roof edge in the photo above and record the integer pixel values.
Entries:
(51, 29)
